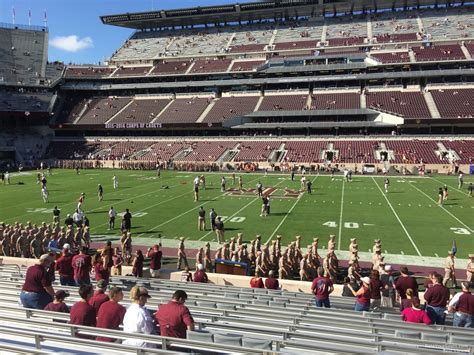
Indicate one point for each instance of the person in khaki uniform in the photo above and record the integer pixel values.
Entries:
(328, 266)
(200, 256)
(181, 254)
(283, 269)
(470, 270)
(449, 271)
(207, 257)
(332, 242)
(305, 269)
(353, 247)
(240, 238)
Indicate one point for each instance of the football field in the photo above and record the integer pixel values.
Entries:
(407, 219)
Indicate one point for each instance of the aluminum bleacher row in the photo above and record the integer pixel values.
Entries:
(231, 319)
(404, 151)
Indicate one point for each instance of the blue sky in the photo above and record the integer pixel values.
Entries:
(75, 28)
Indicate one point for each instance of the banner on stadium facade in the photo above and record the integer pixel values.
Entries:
(133, 125)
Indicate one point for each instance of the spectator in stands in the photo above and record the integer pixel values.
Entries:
(111, 313)
(174, 317)
(82, 265)
(100, 268)
(271, 282)
(437, 298)
(362, 295)
(137, 269)
(388, 291)
(99, 296)
(346, 291)
(256, 281)
(82, 313)
(322, 287)
(376, 288)
(429, 280)
(407, 302)
(404, 282)
(186, 275)
(155, 255)
(462, 305)
(137, 319)
(415, 314)
(58, 304)
(64, 267)
(37, 291)
(200, 275)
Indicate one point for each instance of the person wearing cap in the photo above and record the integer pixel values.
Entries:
(362, 295)
(219, 228)
(200, 275)
(449, 271)
(404, 282)
(181, 254)
(37, 291)
(322, 287)
(82, 313)
(437, 298)
(137, 266)
(82, 266)
(415, 314)
(271, 283)
(58, 304)
(174, 317)
(470, 270)
(137, 319)
(64, 267)
(201, 219)
(117, 262)
(388, 291)
(155, 255)
(207, 257)
(462, 305)
(111, 313)
(99, 297)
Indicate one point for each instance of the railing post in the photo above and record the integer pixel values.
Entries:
(164, 344)
(37, 342)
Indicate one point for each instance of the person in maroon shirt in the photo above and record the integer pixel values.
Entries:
(155, 256)
(37, 291)
(200, 275)
(111, 313)
(437, 298)
(404, 282)
(107, 254)
(82, 265)
(137, 269)
(82, 313)
(376, 288)
(64, 267)
(256, 281)
(99, 296)
(322, 287)
(407, 302)
(100, 268)
(429, 280)
(58, 304)
(362, 295)
(271, 282)
(174, 317)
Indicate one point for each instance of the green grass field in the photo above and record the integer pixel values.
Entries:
(407, 219)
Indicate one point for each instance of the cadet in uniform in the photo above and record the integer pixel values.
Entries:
(470, 270)
(181, 254)
(449, 271)
(202, 219)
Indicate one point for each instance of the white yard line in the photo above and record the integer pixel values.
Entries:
(288, 213)
(443, 208)
(186, 212)
(396, 216)
(339, 239)
(453, 187)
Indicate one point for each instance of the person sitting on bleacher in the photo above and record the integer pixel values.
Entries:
(256, 281)
(37, 291)
(271, 283)
(111, 313)
(174, 317)
(200, 275)
(58, 304)
(415, 314)
(82, 313)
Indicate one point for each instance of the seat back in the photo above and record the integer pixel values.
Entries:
(257, 343)
(228, 339)
(200, 335)
(407, 334)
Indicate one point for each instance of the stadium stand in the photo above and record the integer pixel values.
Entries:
(24, 102)
(335, 101)
(229, 107)
(448, 24)
(100, 110)
(391, 57)
(206, 151)
(438, 52)
(210, 65)
(88, 72)
(131, 71)
(283, 102)
(141, 111)
(405, 104)
(248, 65)
(256, 151)
(305, 152)
(165, 67)
(457, 103)
(184, 110)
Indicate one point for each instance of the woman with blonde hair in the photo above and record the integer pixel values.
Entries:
(138, 319)
(407, 302)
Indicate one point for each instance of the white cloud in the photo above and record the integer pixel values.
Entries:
(71, 43)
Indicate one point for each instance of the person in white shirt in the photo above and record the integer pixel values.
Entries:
(461, 181)
(303, 183)
(115, 182)
(196, 188)
(138, 319)
(77, 217)
(45, 194)
(112, 215)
